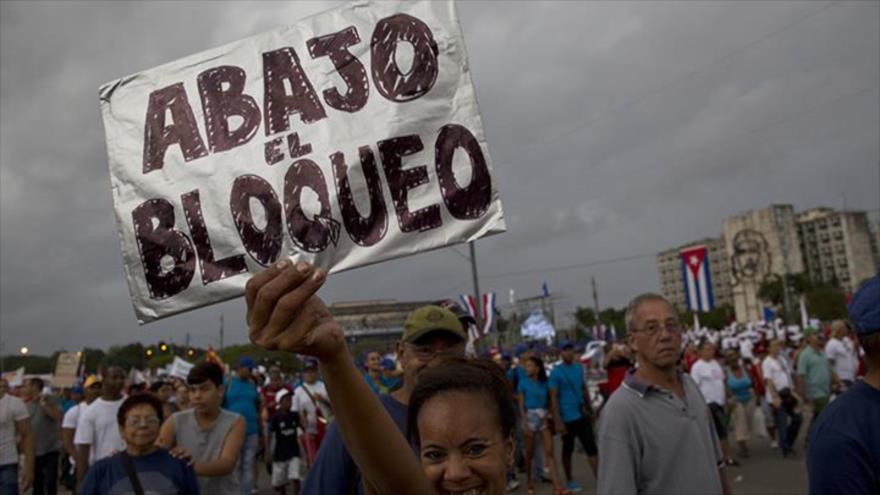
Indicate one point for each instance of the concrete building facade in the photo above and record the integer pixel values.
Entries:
(762, 244)
(672, 284)
(373, 324)
(837, 246)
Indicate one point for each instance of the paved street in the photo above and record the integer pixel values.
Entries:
(764, 473)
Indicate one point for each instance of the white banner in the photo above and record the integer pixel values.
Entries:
(349, 138)
(179, 368)
(537, 326)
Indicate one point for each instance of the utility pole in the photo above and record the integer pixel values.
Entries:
(187, 341)
(477, 297)
(595, 299)
(783, 244)
(221, 333)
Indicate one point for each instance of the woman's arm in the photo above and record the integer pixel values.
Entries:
(285, 314)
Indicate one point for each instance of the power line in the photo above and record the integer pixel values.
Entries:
(553, 269)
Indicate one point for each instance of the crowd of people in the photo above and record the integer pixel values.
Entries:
(425, 418)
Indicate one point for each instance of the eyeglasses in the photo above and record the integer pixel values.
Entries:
(652, 327)
(142, 420)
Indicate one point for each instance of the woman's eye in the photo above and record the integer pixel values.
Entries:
(433, 455)
(476, 449)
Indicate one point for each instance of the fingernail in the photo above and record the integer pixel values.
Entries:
(302, 267)
(318, 275)
(281, 265)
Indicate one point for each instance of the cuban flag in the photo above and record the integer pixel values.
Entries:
(488, 312)
(697, 279)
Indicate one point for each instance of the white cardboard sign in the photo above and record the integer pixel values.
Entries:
(349, 138)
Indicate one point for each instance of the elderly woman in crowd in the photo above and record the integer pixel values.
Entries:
(142, 467)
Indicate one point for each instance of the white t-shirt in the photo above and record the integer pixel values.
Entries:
(97, 427)
(778, 373)
(746, 346)
(843, 353)
(12, 409)
(710, 378)
(302, 402)
(71, 417)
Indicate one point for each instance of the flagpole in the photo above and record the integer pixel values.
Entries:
(595, 300)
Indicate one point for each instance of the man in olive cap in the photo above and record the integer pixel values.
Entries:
(844, 444)
(428, 333)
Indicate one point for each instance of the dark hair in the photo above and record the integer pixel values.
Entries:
(482, 376)
(136, 400)
(542, 373)
(38, 382)
(870, 344)
(157, 385)
(204, 372)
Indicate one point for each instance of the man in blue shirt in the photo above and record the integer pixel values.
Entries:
(428, 333)
(570, 401)
(844, 444)
(243, 398)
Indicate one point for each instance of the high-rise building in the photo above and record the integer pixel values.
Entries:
(837, 246)
(673, 277)
(762, 245)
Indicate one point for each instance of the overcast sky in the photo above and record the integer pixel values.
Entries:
(616, 130)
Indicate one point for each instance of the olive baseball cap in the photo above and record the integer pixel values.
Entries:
(427, 319)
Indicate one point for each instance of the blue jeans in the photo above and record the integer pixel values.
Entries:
(788, 424)
(9, 479)
(246, 459)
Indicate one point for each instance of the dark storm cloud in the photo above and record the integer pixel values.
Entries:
(616, 129)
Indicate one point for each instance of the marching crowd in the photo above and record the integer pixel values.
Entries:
(424, 418)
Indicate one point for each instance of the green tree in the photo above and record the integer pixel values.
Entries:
(826, 303)
(717, 318)
(584, 317)
(127, 356)
(93, 358)
(33, 364)
(160, 360)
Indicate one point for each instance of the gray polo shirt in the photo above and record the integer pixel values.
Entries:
(653, 442)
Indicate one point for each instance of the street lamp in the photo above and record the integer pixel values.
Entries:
(24, 350)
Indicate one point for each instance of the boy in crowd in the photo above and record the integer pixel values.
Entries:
(212, 435)
(285, 460)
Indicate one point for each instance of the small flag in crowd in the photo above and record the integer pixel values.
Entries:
(488, 312)
(469, 304)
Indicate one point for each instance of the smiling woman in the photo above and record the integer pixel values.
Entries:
(461, 420)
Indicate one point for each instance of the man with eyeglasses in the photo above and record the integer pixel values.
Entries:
(430, 332)
(655, 432)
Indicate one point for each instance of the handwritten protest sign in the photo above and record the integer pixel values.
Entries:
(66, 368)
(349, 138)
